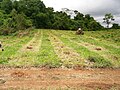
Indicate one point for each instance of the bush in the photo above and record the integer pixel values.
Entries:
(115, 26)
(4, 31)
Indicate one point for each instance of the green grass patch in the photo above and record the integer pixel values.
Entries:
(11, 45)
(25, 56)
(47, 56)
(85, 53)
(99, 62)
(111, 53)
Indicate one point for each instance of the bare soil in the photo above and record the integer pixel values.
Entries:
(57, 79)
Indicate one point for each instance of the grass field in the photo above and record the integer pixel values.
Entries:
(55, 48)
(60, 60)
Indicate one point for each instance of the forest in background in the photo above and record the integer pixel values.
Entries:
(24, 14)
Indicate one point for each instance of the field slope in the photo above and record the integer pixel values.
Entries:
(52, 48)
(60, 60)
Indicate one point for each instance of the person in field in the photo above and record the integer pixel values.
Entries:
(1, 46)
(79, 31)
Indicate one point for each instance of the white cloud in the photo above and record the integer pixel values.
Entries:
(97, 8)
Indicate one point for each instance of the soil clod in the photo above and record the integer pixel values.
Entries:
(29, 47)
(98, 49)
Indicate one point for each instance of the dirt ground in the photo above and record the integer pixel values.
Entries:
(59, 79)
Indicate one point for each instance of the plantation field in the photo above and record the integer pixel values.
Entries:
(60, 60)
(55, 48)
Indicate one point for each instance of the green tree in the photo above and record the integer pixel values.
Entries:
(79, 16)
(41, 20)
(22, 14)
(115, 26)
(16, 21)
(50, 15)
(31, 7)
(108, 19)
(2, 16)
(6, 5)
(61, 21)
(94, 26)
(16, 5)
(1, 0)
(73, 25)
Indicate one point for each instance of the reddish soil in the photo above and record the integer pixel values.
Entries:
(43, 78)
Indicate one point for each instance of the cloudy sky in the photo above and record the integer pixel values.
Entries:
(96, 8)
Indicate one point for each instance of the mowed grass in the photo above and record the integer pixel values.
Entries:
(11, 45)
(92, 59)
(109, 50)
(47, 57)
(94, 49)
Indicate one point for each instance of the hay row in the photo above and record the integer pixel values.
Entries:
(66, 54)
(28, 53)
(102, 41)
(33, 45)
(97, 49)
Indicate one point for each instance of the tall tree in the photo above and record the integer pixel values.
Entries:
(6, 5)
(31, 7)
(79, 16)
(2, 15)
(115, 26)
(108, 19)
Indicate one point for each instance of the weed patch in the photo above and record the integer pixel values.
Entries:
(99, 62)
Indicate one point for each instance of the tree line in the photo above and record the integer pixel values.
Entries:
(23, 14)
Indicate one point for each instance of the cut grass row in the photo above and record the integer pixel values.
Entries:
(58, 48)
(27, 54)
(87, 54)
(43, 56)
(11, 45)
(112, 53)
(47, 56)
(111, 36)
(96, 37)
(105, 53)
(69, 57)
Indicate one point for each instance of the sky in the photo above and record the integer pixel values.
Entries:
(96, 8)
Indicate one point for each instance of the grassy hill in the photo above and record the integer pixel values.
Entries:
(56, 48)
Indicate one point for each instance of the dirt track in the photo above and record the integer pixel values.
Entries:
(43, 78)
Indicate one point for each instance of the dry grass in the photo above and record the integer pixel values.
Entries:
(67, 55)
(33, 45)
